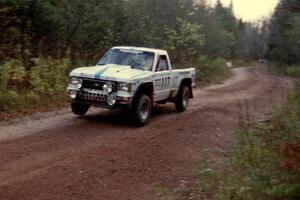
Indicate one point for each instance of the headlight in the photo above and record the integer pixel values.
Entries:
(125, 87)
(76, 81)
(108, 87)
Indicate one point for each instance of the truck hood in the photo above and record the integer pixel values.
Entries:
(109, 72)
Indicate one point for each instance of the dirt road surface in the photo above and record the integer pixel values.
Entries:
(57, 155)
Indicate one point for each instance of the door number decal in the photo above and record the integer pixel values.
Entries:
(165, 81)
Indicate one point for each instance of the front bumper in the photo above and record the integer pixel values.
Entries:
(99, 98)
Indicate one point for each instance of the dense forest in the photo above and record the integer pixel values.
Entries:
(284, 39)
(42, 40)
(83, 30)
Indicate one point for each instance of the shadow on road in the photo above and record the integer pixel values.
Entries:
(121, 117)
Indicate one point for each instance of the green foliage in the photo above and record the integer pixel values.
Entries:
(293, 71)
(288, 70)
(84, 30)
(43, 85)
(210, 71)
(48, 77)
(185, 43)
(27, 27)
(12, 75)
(265, 164)
(251, 41)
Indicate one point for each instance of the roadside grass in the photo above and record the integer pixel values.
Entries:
(265, 163)
(293, 71)
(287, 70)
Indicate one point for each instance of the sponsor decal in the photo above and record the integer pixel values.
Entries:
(157, 83)
(85, 75)
(108, 78)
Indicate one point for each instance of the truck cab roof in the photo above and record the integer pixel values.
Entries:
(157, 51)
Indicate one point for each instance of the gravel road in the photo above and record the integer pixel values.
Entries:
(57, 155)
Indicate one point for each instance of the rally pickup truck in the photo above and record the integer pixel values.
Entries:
(132, 77)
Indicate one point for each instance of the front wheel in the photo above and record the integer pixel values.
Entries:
(80, 109)
(141, 110)
(183, 98)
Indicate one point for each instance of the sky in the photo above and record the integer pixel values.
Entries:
(251, 10)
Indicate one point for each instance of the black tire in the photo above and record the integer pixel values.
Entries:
(79, 109)
(141, 110)
(182, 100)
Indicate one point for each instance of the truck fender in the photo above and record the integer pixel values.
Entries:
(187, 82)
(144, 88)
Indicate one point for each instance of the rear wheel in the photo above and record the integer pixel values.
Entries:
(80, 109)
(183, 98)
(141, 110)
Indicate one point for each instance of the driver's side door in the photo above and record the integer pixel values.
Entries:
(162, 79)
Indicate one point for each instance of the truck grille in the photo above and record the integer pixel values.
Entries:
(93, 97)
(93, 84)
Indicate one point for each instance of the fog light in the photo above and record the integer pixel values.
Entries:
(111, 100)
(73, 94)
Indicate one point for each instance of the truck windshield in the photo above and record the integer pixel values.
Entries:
(136, 59)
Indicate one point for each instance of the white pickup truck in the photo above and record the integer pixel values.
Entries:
(133, 77)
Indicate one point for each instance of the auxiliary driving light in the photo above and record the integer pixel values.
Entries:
(111, 100)
(73, 94)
